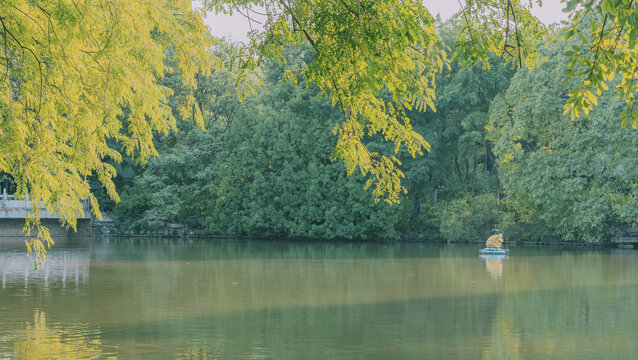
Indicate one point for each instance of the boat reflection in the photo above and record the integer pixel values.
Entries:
(494, 264)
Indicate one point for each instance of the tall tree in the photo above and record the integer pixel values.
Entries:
(274, 176)
(575, 176)
(460, 162)
(263, 169)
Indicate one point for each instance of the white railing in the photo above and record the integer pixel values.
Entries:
(12, 208)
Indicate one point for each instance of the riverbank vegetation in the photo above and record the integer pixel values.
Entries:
(503, 156)
(341, 140)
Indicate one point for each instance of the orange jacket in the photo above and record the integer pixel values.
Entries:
(495, 241)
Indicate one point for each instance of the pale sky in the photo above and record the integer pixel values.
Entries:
(237, 26)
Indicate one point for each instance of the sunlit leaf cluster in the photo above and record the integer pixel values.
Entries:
(74, 74)
(503, 27)
(608, 34)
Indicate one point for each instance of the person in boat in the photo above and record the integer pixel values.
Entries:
(495, 241)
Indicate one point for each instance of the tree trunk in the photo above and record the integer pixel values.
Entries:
(416, 209)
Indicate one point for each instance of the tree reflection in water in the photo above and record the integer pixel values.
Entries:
(504, 342)
(40, 340)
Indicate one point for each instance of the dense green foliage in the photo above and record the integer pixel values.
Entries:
(575, 176)
(460, 163)
(360, 49)
(84, 84)
(500, 155)
(274, 175)
(261, 167)
(606, 37)
(503, 156)
(468, 218)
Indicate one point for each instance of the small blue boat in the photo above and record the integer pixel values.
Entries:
(494, 251)
(493, 257)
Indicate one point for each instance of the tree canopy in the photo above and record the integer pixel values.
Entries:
(263, 168)
(576, 176)
(76, 74)
(362, 47)
(359, 49)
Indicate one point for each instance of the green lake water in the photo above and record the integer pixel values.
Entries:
(199, 299)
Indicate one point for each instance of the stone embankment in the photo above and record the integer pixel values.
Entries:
(13, 213)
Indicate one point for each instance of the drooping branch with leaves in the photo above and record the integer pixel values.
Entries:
(375, 60)
(503, 27)
(607, 35)
(74, 74)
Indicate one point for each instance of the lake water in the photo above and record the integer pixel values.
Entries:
(196, 299)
